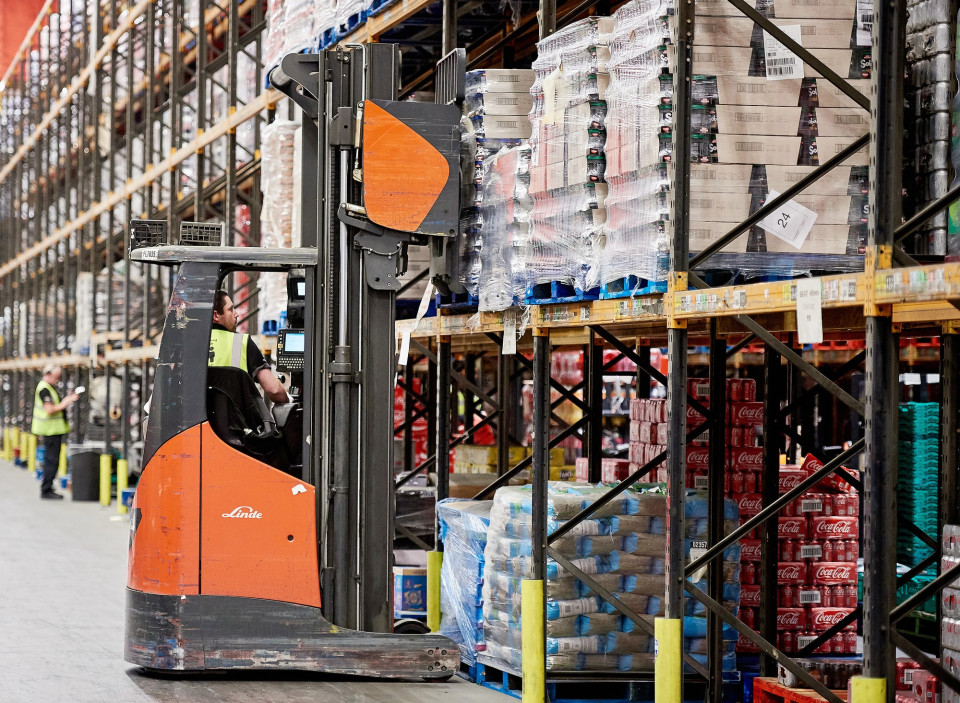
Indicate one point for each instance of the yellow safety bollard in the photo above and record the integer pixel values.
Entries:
(434, 564)
(21, 443)
(121, 485)
(533, 655)
(62, 470)
(32, 452)
(868, 690)
(6, 444)
(668, 665)
(106, 472)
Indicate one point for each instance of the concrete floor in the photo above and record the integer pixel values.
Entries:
(62, 579)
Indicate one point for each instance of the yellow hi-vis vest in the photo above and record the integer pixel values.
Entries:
(228, 349)
(47, 424)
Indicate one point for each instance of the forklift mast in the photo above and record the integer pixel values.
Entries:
(378, 176)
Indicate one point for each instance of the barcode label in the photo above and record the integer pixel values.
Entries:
(810, 597)
(804, 640)
(781, 63)
(811, 505)
(701, 482)
(908, 676)
(811, 551)
(864, 22)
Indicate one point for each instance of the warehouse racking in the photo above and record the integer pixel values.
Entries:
(173, 136)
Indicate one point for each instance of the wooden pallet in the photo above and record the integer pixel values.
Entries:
(769, 690)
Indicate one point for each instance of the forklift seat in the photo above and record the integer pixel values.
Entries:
(239, 417)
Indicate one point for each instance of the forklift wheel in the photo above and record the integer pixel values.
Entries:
(410, 626)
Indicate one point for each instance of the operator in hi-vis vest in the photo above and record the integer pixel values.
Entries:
(227, 348)
(50, 423)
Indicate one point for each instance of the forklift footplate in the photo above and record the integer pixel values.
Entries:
(209, 633)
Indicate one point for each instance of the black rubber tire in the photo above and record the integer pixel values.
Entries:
(410, 626)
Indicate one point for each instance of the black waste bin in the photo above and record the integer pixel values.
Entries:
(85, 475)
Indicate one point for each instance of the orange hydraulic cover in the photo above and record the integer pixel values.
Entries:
(403, 174)
(259, 537)
(165, 538)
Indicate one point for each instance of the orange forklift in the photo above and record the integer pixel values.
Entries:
(262, 539)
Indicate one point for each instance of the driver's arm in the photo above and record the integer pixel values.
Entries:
(271, 386)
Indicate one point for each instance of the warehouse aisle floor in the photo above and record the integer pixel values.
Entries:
(62, 578)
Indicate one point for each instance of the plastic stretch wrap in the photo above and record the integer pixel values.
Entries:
(290, 28)
(636, 238)
(463, 529)
(348, 14)
(623, 548)
(504, 228)
(567, 141)
(277, 163)
(494, 220)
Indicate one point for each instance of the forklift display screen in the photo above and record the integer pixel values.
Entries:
(294, 343)
(290, 349)
(302, 289)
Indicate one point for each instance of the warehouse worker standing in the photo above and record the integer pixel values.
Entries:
(50, 423)
(228, 348)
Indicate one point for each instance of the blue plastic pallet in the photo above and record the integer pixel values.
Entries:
(328, 38)
(631, 286)
(353, 21)
(378, 5)
(556, 292)
(588, 690)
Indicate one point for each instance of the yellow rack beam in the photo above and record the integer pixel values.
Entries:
(916, 295)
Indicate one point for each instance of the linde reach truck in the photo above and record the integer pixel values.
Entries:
(263, 540)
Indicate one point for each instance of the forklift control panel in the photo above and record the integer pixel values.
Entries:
(290, 350)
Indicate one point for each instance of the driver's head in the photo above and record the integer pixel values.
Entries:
(223, 311)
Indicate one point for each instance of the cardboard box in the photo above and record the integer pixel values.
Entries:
(843, 179)
(503, 126)
(702, 234)
(409, 591)
(828, 95)
(740, 90)
(823, 239)
(786, 9)
(746, 61)
(736, 207)
(752, 149)
(815, 33)
(754, 120)
(501, 80)
(501, 104)
(828, 147)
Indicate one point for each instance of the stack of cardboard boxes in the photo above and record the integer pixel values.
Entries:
(762, 120)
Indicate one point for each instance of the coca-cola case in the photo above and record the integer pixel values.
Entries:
(792, 573)
(750, 550)
(822, 619)
(791, 477)
(750, 596)
(834, 527)
(745, 458)
(745, 414)
(792, 527)
(833, 573)
(791, 619)
(749, 504)
(698, 457)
